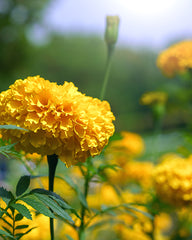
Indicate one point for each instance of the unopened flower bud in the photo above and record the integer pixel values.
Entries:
(111, 32)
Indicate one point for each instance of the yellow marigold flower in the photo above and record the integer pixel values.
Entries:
(153, 98)
(130, 145)
(103, 195)
(173, 181)
(60, 120)
(132, 171)
(176, 59)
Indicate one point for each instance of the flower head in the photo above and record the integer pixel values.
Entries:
(151, 98)
(176, 59)
(111, 32)
(59, 119)
(173, 180)
(131, 144)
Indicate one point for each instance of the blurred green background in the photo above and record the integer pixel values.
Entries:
(81, 59)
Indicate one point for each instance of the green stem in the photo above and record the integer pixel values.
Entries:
(82, 226)
(107, 70)
(52, 164)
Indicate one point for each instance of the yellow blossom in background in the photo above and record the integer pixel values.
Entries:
(132, 171)
(103, 194)
(120, 151)
(140, 226)
(173, 180)
(154, 97)
(176, 59)
(163, 225)
(60, 120)
(34, 157)
(125, 233)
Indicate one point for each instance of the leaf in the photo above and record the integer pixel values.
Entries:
(12, 127)
(46, 192)
(102, 223)
(22, 185)
(2, 232)
(22, 210)
(138, 210)
(53, 195)
(69, 237)
(22, 226)
(18, 217)
(5, 221)
(7, 230)
(19, 235)
(35, 203)
(54, 206)
(6, 195)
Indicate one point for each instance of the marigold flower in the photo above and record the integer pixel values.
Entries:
(130, 145)
(173, 181)
(153, 98)
(176, 59)
(132, 171)
(60, 120)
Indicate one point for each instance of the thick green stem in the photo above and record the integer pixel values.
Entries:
(107, 70)
(52, 163)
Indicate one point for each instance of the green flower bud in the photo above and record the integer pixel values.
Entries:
(111, 32)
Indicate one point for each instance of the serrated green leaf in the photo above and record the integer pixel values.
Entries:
(53, 195)
(22, 185)
(18, 217)
(54, 206)
(2, 232)
(22, 226)
(6, 194)
(46, 192)
(38, 205)
(22, 210)
(12, 127)
(62, 203)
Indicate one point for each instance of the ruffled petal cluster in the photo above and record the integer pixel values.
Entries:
(176, 59)
(59, 119)
(173, 180)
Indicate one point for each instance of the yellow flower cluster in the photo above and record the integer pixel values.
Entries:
(176, 59)
(153, 98)
(131, 144)
(60, 120)
(173, 180)
(132, 171)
